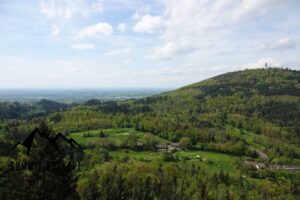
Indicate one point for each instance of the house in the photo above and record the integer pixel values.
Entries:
(161, 147)
(261, 154)
(292, 168)
(260, 166)
(174, 147)
(276, 167)
(256, 164)
(140, 143)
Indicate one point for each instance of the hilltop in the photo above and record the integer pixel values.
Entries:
(268, 94)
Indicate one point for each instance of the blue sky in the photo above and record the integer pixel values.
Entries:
(142, 44)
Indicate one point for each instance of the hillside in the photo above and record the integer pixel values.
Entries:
(261, 101)
(231, 113)
(268, 94)
(235, 135)
(271, 94)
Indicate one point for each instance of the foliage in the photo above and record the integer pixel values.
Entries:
(219, 122)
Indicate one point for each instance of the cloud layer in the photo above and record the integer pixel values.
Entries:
(99, 28)
(281, 44)
(167, 43)
(67, 9)
(83, 46)
(149, 24)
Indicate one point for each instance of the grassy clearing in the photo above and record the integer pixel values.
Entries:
(117, 135)
(210, 161)
(137, 155)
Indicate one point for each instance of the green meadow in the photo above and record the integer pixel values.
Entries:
(211, 161)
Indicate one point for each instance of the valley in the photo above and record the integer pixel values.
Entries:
(234, 135)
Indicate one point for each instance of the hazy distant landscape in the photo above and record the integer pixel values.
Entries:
(75, 95)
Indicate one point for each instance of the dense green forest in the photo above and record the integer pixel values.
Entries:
(234, 136)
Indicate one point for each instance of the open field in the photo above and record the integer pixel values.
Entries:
(210, 161)
(117, 135)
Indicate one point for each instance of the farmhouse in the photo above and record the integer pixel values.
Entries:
(256, 164)
(161, 147)
(140, 143)
(169, 148)
(174, 147)
(261, 154)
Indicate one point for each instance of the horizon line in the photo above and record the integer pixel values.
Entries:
(90, 88)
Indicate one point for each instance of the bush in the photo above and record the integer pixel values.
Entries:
(87, 134)
(101, 134)
(167, 157)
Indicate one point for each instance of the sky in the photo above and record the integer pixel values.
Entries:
(142, 43)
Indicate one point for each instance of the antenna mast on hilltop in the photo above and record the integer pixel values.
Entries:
(266, 65)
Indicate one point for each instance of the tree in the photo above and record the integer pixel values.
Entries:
(101, 134)
(149, 142)
(132, 140)
(54, 180)
(167, 157)
(185, 143)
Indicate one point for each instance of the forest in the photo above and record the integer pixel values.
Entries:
(233, 136)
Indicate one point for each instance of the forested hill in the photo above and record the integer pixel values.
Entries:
(261, 101)
(266, 82)
(269, 94)
(231, 113)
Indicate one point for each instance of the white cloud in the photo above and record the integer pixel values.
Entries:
(136, 16)
(209, 24)
(124, 53)
(118, 52)
(250, 8)
(55, 31)
(103, 28)
(261, 63)
(141, 12)
(220, 36)
(172, 49)
(283, 43)
(286, 42)
(69, 8)
(83, 46)
(122, 27)
(149, 24)
(202, 16)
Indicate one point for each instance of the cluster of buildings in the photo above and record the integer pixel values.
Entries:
(167, 147)
(172, 147)
(258, 166)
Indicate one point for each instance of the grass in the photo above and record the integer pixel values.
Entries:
(117, 135)
(137, 155)
(209, 161)
(212, 161)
